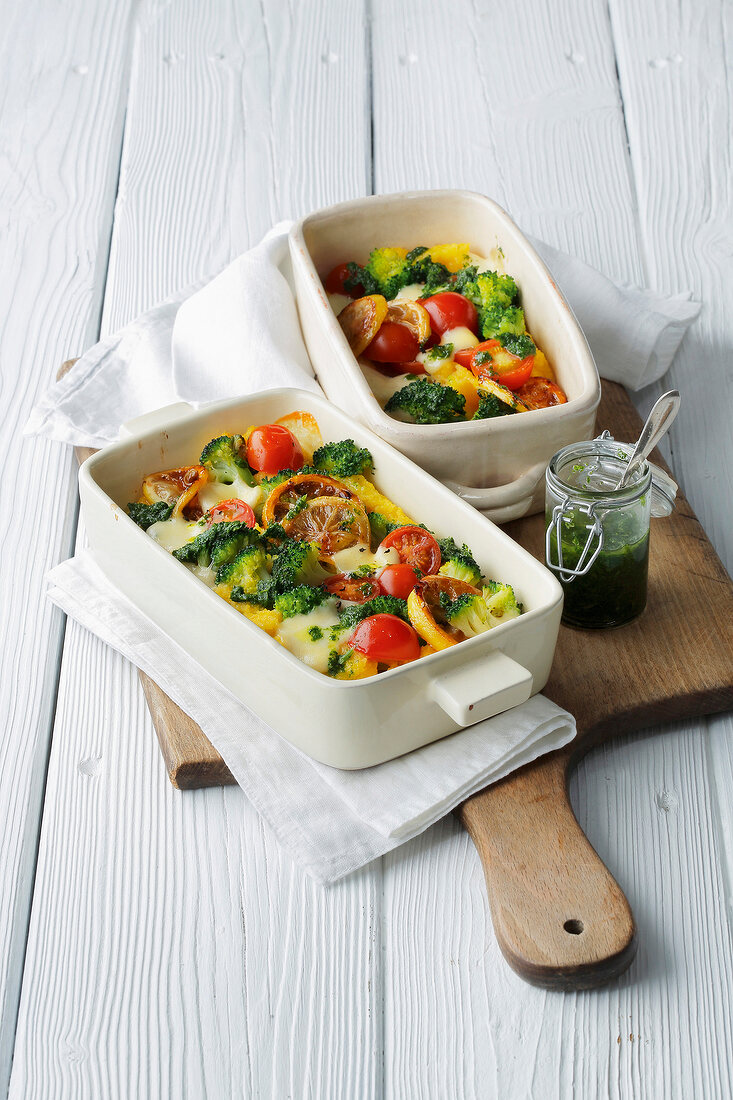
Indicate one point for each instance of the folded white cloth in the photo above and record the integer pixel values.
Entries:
(330, 821)
(239, 333)
(234, 335)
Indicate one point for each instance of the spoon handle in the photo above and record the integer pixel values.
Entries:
(657, 423)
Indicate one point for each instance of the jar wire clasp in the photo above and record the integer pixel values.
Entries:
(588, 554)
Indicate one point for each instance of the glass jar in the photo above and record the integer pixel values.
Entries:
(597, 536)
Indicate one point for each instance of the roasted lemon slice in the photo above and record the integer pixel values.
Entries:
(332, 522)
(426, 615)
(361, 321)
(413, 315)
(310, 486)
(177, 487)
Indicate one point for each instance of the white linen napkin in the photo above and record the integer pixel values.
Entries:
(331, 822)
(239, 333)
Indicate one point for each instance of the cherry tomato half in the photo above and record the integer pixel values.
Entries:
(541, 393)
(448, 310)
(271, 448)
(394, 343)
(231, 511)
(386, 638)
(353, 589)
(416, 547)
(496, 362)
(398, 580)
(334, 282)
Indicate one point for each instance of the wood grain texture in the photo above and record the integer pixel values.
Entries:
(646, 803)
(173, 950)
(62, 90)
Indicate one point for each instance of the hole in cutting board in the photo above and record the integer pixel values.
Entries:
(574, 927)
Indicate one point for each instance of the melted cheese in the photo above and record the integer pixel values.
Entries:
(338, 302)
(293, 634)
(215, 491)
(174, 532)
(354, 557)
(460, 337)
(411, 292)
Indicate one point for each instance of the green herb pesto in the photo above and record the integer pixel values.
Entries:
(614, 589)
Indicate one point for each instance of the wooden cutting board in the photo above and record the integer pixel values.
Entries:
(561, 920)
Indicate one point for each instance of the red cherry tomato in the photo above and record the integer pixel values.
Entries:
(416, 547)
(398, 580)
(386, 638)
(334, 282)
(394, 343)
(496, 362)
(271, 448)
(450, 310)
(231, 511)
(353, 589)
(393, 369)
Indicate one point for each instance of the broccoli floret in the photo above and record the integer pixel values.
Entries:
(337, 661)
(144, 515)
(297, 562)
(315, 633)
(458, 562)
(511, 323)
(427, 271)
(269, 483)
(501, 602)
(218, 544)
(380, 527)
(496, 298)
(343, 459)
(389, 269)
(468, 613)
(296, 507)
(489, 406)
(300, 600)
(379, 605)
(428, 402)
(360, 281)
(522, 346)
(222, 458)
(247, 572)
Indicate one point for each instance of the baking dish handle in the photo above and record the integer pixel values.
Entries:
(481, 688)
(158, 418)
(504, 502)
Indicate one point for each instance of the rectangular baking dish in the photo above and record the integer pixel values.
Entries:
(496, 465)
(344, 724)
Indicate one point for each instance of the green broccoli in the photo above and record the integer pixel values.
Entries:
(295, 563)
(501, 602)
(247, 573)
(218, 544)
(300, 600)
(489, 406)
(343, 459)
(145, 515)
(380, 527)
(428, 402)
(270, 483)
(522, 346)
(360, 281)
(388, 267)
(222, 458)
(315, 633)
(468, 613)
(337, 662)
(296, 507)
(379, 605)
(458, 562)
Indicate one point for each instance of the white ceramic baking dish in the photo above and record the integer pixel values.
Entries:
(341, 723)
(496, 465)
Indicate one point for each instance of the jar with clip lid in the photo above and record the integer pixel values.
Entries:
(597, 536)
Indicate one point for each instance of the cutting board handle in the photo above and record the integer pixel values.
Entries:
(561, 919)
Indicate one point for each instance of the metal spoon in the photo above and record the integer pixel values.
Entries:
(657, 423)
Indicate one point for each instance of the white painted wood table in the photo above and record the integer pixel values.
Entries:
(154, 944)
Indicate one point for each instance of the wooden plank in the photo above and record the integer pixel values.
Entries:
(173, 950)
(62, 80)
(550, 143)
